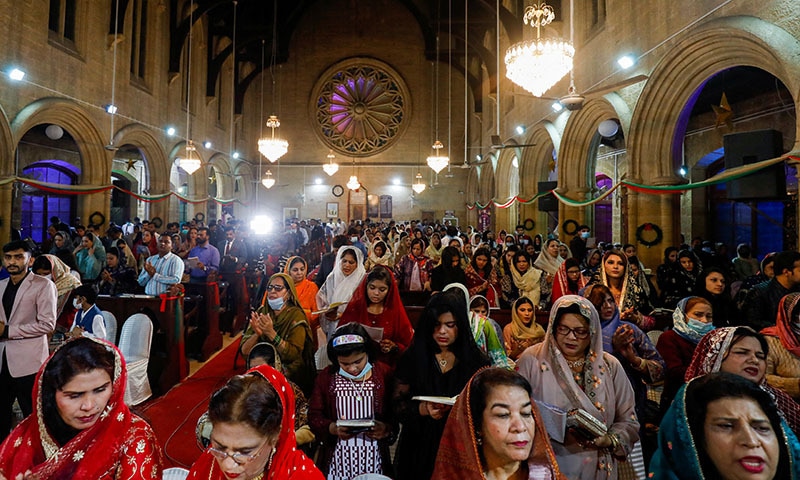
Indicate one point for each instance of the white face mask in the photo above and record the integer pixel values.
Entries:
(76, 303)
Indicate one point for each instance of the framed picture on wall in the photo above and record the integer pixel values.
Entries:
(332, 209)
(290, 213)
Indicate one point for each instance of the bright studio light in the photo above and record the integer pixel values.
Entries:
(261, 225)
(16, 74)
(626, 61)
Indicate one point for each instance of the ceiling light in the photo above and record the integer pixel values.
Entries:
(330, 168)
(170, 131)
(557, 107)
(207, 144)
(268, 181)
(395, 181)
(110, 108)
(436, 161)
(353, 183)
(520, 129)
(235, 154)
(16, 74)
(479, 157)
(626, 61)
(608, 128)
(190, 163)
(273, 147)
(318, 181)
(536, 65)
(419, 185)
(684, 170)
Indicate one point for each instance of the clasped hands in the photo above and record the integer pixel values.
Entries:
(262, 325)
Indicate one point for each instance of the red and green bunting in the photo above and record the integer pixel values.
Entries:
(88, 189)
(726, 176)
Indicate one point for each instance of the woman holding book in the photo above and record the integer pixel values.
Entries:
(569, 371)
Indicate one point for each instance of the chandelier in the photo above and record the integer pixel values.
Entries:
(353, 183)
(536, 65)
(191, 162)
(330, 167)
(436, 161)
(268, 181)
(419, 185)
(271, 147)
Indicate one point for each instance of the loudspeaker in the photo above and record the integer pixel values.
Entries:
(751, 147)
(548, 203)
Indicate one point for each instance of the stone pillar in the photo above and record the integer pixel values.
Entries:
(662, 210)
(95, 202)
(6, 200)
(568, 212)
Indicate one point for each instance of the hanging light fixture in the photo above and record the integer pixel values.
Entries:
(353, 183)
(437, 162)
(268, 181)
(419, 185)
(536, 65)
(273, 147)
(330, 167)
(190, 162)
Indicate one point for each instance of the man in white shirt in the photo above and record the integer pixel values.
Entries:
(163, 270)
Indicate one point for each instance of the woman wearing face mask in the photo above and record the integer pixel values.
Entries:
(682, 280)
(741, 351)
(354, 387)
(281, 322)
(783, 360)
(413, 271)
(722, 426)
(376, 303)
(693, 318)
(81, 427)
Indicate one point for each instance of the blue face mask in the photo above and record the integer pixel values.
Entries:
(184, 232)
(360, 376)
(584, 235)
(699, 327)
(275, 303)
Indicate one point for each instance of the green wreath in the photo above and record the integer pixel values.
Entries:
(157, 221)
(529, 224)
(649, 227)
(97, 223)
(570, 227)
(200, 217)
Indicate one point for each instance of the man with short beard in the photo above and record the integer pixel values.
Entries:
(207, 257)
(27, 316)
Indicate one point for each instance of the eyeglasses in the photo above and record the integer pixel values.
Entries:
(580, 333)
(239, 458)
(275, 288)
(573, 272)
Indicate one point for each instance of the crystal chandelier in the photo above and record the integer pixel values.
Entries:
(330, 167)
(435, 161)
(536, 65)
(271, 147)
(419, 185)
(191, 162)
(268, 181)
(353, 183)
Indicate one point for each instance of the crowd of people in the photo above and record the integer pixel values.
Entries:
(338, 372)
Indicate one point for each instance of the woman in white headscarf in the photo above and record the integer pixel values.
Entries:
(348, 271)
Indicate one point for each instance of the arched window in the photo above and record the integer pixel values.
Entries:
(603, 211)
(38, 206)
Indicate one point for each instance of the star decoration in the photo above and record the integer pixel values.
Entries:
(131, 163)
(723, 112)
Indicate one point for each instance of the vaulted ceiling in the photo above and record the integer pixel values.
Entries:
(254, 20)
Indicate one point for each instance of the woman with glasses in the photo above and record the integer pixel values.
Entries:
(80, 426)
(568, 371)
(281, 322)
(252, 436)
(569, 280)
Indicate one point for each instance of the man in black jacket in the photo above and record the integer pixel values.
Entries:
(761, 303)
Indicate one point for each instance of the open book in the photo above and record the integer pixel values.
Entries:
(365, 423)
(332, 306)
(433, 399)
(557, 421)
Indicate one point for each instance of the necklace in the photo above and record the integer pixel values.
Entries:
(359, 390)
(576, 363)
(443, 360)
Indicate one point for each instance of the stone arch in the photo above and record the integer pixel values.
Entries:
(196, 183)
(243, 174)
(505, 187)
(224, 175)
(473, 187)
(95, 159)
(155, 157)
(535, 168)
(714, 46)
(7, 145)
(577, 153)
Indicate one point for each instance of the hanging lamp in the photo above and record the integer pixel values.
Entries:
(419, 185)
(268, 181)
(273, 147)
(330, 167)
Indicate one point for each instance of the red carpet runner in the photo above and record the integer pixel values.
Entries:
(174, 416)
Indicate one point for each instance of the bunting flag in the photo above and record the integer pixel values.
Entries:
(723, 177)
(62, 189)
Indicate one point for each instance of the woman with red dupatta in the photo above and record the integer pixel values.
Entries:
(252, 436)
(569, 280)
(495, 408)
(482, 278)
(81, 427)
(376, 303)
